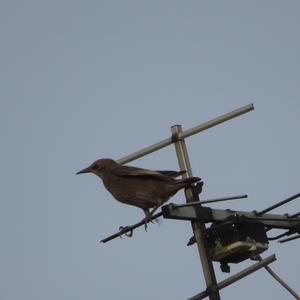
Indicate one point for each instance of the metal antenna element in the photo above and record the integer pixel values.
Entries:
(278, 204)
(237, 276)
(290, 238)
(198, 227)
(276, 277)
(166, 142)
(273, 238)
(128, 230)
(295, 215)
(224, 199)
(211, 201)
(220, 215)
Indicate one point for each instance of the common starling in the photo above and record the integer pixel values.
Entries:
(139, 187)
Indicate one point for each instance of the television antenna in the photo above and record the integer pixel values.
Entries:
(233, 236)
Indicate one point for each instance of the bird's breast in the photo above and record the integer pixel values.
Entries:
(141, 192)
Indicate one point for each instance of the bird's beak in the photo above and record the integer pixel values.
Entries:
(86, 170)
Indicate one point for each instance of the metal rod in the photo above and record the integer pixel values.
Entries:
(126, 229)
(187, 133)
(273, 238)
(290, 238)
(218, 120)
(284, 284)
(237, 276)
(294, 215)
(211, 201)
(198, 227)
(217, 215)
(278, 204)
(224, 199)
(274, 219)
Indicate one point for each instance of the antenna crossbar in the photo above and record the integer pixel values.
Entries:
(172, 211)
(187, 133)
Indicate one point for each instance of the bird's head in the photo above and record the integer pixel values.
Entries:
(100, 167)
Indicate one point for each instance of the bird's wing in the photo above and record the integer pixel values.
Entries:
(126, 171)
(172, 174)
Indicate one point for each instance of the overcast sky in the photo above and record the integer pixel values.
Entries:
(82, 80)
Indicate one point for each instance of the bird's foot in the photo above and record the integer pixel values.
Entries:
(147, 220)
(125, 230)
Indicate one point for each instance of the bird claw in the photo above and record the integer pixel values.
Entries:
(125, 230)
(146, 225)
(147, 220)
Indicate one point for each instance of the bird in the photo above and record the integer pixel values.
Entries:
(143, 188)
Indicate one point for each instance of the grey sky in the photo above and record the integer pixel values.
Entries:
(82, 80)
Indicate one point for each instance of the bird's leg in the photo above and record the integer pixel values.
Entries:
(147, 217)
(152, 214)
(154, 209)
(159, 203)
(149, 214)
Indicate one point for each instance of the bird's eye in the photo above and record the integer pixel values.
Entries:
(95, 167)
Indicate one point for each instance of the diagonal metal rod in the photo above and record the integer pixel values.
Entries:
(290, 238)
(278, 204)
(237, 276)
(166, 142)
(273, 238)
(278, 279)
(294, 215)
